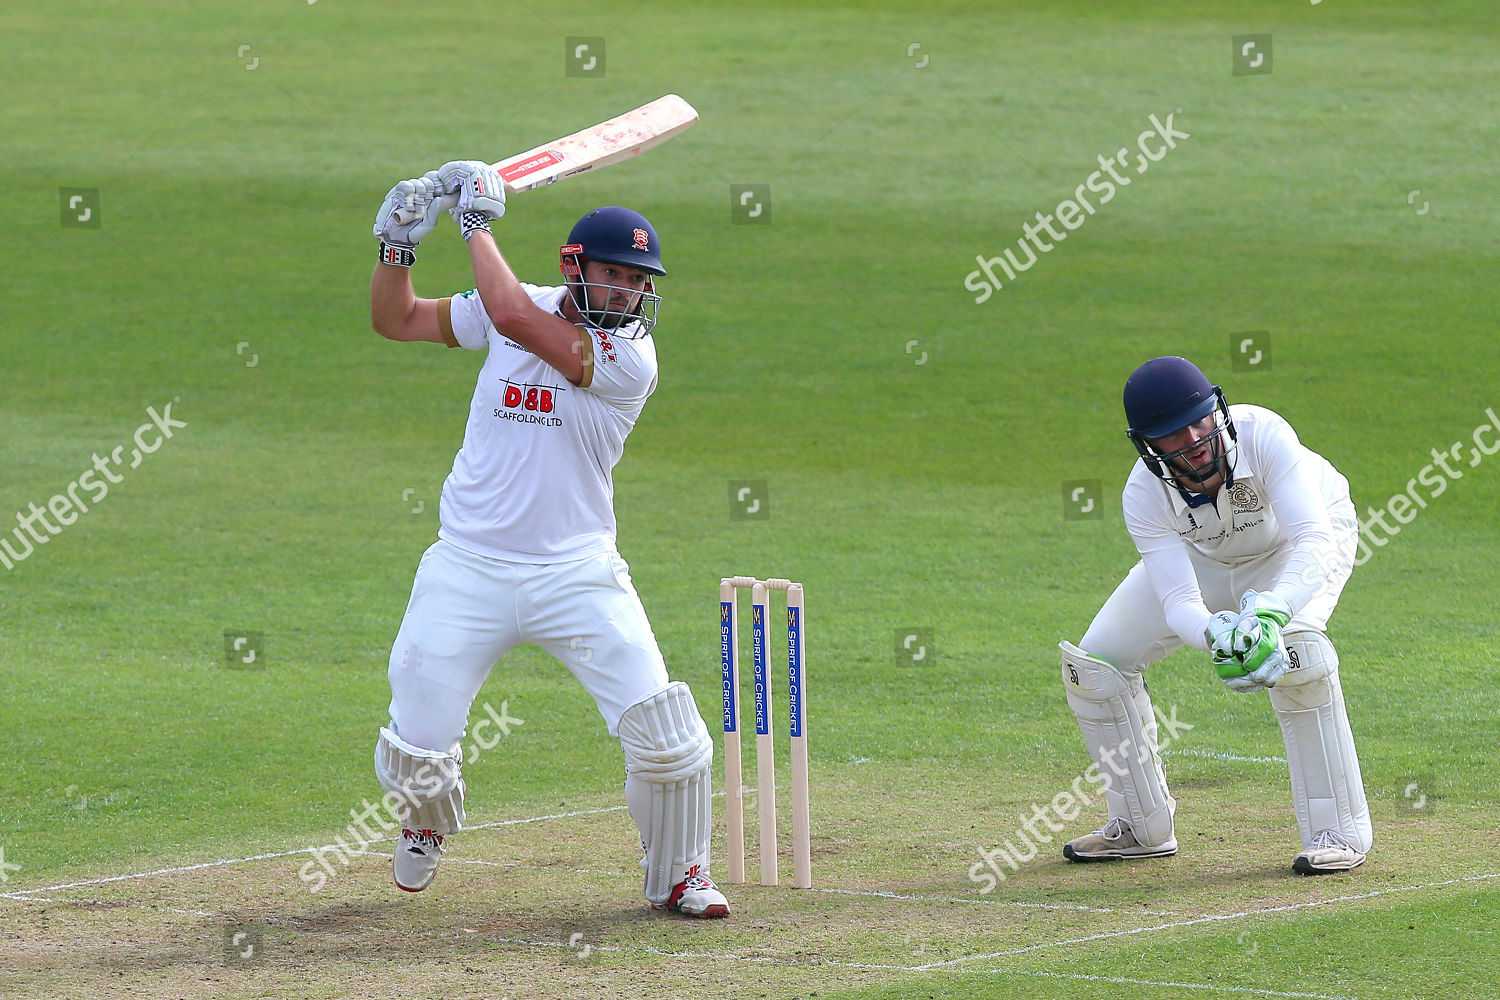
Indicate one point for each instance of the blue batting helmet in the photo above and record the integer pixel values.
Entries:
(1163, 396)
(616, 235)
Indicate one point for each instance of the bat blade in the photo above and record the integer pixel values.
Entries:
(598, 146)
(610, 141)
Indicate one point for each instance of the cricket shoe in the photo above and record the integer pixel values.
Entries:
(415, 863)
(1329, 853)
(1114, 841)
(696, 896)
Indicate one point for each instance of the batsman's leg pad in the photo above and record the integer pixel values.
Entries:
(1327, 791)
(426, 786)
(1119, 727)
(668, 753)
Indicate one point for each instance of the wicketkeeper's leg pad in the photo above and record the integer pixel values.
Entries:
(1327, 791)
(1119, 727)
(426, 786)
(668, 752)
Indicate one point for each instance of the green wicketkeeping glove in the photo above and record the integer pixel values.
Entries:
(1262, 617)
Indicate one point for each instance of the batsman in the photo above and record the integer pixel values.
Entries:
(526, 539)
(1246, 540)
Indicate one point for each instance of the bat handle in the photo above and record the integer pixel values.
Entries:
(405, 216)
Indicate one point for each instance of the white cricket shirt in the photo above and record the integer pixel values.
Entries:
(1285, 498)
(532, 482)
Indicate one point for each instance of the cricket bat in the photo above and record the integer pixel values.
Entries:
(600, 145)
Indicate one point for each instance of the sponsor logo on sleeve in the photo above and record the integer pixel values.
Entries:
(606, 350)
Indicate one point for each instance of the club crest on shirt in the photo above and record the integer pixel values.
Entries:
(1243, 498)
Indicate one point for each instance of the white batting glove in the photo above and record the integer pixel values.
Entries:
(408, 213)
(481, 194)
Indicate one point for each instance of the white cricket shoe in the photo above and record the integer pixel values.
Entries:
(1114, 841)
(415, 863)
(696, 896)
(1329, 852)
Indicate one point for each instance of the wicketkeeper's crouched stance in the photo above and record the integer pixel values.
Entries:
(1228, 510)
(526, 543)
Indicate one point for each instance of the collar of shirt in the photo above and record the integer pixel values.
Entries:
(1193, 500)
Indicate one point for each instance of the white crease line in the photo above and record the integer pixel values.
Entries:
(863, 966)
(998, 902)
(949, 966)
(1211, 918)
(1115, 979)
(100, 902)
(22, 893)
(1223, 756)
(867, 893)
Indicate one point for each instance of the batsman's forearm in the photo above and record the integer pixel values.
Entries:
(499, 288)
(550, 337)
(391, 298)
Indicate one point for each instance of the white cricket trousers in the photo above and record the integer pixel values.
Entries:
(1131, 632)
(467, 611)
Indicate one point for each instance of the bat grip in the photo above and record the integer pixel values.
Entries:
(405, 216)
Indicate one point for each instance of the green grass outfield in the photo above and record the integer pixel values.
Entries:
(913, 443)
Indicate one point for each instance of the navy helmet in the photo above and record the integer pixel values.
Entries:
(1163, 396)
(614, 235)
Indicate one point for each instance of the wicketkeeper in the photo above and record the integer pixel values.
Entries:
(526, 544)
(1246, 540)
